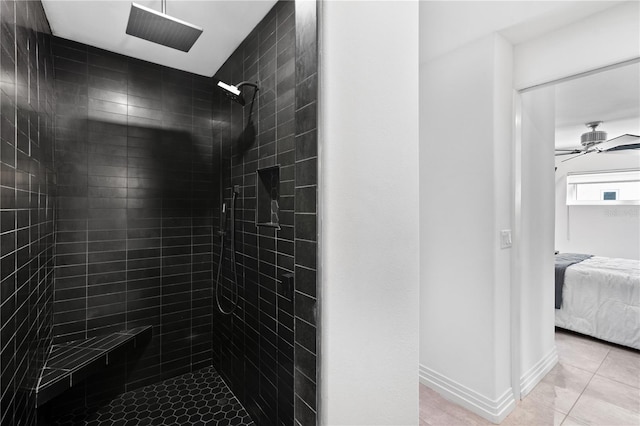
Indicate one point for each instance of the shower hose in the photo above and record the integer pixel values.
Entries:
(234, 287)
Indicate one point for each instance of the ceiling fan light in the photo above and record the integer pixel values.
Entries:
(593, 137)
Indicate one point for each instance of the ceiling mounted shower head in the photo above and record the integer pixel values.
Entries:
(234, 93)
(158, 27)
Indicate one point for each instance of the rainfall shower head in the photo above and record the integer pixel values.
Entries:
(158, 27)
(234, 93)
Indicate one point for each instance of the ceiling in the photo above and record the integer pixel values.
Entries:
(611, 96)
(448, 25)
(102, 24)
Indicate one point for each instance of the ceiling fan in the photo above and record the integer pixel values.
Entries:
(596, 141)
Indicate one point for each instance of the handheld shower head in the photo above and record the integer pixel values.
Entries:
(234, 93)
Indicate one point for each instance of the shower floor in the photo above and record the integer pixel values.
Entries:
(199, 398)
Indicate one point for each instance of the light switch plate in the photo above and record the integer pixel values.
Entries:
(505, 238)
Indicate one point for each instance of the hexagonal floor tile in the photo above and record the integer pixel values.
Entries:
(192, 398)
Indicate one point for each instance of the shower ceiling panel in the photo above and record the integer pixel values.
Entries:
(102, 24)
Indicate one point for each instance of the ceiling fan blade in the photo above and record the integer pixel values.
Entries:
(623, 148)
(567, 152)
(620, 143)
(579, 155)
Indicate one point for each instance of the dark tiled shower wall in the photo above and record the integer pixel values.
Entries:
(266, 350)
(27, 193)
(134, 155)
(306, 244)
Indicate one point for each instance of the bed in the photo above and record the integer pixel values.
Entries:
(600, 297)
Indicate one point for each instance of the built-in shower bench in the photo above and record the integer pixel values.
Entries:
(70, 362)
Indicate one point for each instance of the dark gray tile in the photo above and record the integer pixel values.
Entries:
(305, 199)
(305, 335)
(304, 415)
(306, 118)
(305, 307)
(306, 253)
(307, 91)
(305, 389)
(307, 172)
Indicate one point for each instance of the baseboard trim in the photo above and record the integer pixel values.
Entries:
(531, 378)
(494, 410)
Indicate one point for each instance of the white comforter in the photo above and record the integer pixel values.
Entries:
(601, 298)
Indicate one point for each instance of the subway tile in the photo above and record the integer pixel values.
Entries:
(103, 278)
(286, 128)
(305, 389)
(305, 280)
(305, 199)
(76, 53)
(305, 226)
(307, 172)
(306, 145)
(70, 44)
(70, 65)
(307, 91)
(98, 81)
(305, 335)
(100, 58)
(77, 78)
(113, 320)
(306, 253)
(304, 415)
(100, 105)
(286, 35)
(305, 362)
(305, 307)
(72, 318)
(113, 222)
(144, 102)
(306, 118)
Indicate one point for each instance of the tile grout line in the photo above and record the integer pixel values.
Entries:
(586, 386)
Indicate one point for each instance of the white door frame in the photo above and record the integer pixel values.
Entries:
(516, 261)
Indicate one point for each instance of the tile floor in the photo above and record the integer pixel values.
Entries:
(199, 398)
(594, 383)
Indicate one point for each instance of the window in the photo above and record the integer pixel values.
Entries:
(604, 188)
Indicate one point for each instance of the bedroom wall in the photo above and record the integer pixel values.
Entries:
(534, 249)
(611, 231)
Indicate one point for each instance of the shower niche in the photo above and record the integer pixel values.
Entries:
(268, 197)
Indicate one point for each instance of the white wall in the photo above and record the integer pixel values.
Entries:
(534, 237)
(600, 40)
(448, 25)
(611, 231)
(465, 200)
(462, 202)
(369, 213)
(608, 37)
